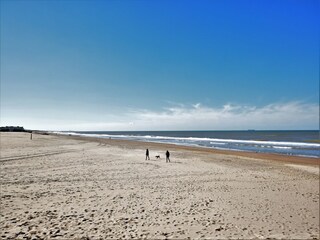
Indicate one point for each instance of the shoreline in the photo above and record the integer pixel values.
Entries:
(254, 155)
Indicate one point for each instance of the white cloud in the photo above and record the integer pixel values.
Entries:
(277, 116)
(292, 115)
(198, 105)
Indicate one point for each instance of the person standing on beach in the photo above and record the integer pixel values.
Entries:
(147, 154)
(167, 156)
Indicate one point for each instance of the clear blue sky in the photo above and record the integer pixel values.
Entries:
(158, 65)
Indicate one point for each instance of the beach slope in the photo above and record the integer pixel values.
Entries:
(66, 188)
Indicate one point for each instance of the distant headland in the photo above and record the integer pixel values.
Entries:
(13, 129)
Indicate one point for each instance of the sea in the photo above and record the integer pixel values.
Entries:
(297, 143)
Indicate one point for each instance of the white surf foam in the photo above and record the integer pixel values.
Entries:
(275, 144)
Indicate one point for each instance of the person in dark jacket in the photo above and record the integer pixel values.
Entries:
(167, 156)
(147, 154)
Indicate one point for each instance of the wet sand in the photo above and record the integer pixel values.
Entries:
(58, 187)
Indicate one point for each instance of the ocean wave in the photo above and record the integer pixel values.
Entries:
(288, 148)
(218, 143)
(197, 139)
(282, 147)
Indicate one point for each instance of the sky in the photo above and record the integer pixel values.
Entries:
(160, 65)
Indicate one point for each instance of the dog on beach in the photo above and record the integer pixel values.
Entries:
(158, 156)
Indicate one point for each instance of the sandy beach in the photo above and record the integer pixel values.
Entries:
(61, 187)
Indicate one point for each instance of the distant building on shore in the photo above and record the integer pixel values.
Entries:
(12, 129)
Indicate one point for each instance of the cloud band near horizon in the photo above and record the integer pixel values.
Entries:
(276, 116)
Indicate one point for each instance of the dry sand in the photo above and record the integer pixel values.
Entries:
(71, 188)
